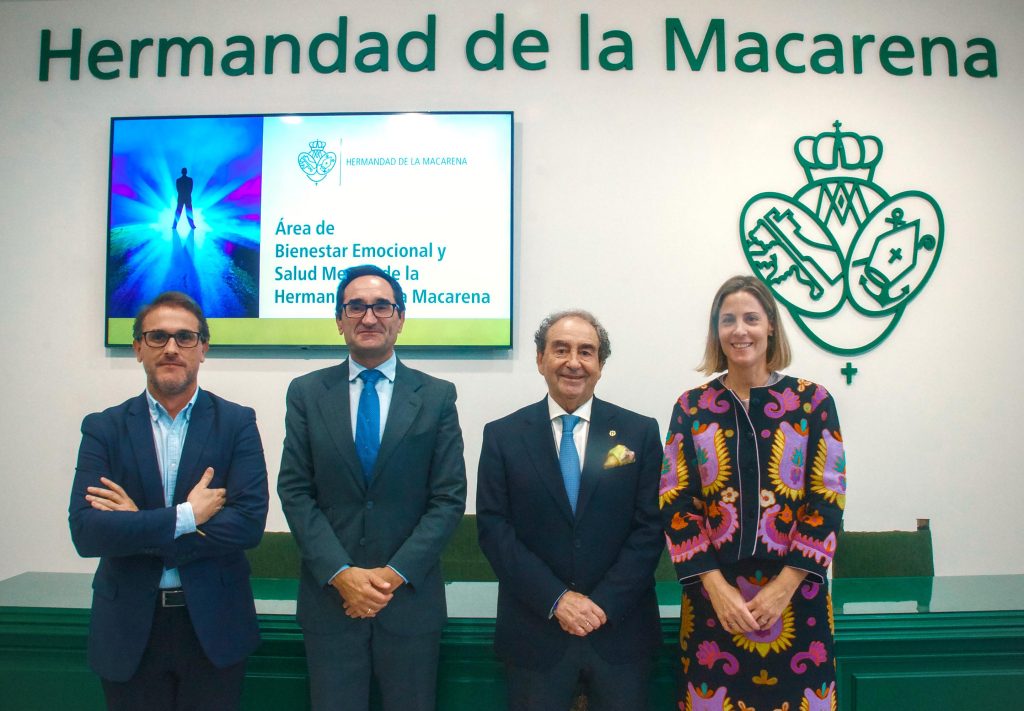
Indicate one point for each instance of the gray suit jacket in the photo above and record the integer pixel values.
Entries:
(403, 518)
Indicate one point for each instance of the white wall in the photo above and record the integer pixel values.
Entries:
(629, 187)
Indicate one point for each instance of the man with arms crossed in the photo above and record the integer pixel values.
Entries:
(567, 511)
(170, 489)
(372, 483)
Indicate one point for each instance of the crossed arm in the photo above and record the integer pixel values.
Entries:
(106, 519)
(204, 501)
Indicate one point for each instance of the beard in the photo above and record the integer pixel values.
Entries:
(174, 383)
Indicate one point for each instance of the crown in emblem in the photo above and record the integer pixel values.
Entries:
(317, 145)
(838, 153)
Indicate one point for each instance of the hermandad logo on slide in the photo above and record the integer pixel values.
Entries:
(316, 163)
(842, 248)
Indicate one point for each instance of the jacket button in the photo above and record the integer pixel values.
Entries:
(362, 541)
(369, 505)
(576, 543)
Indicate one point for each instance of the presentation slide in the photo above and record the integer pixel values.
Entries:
(257, 217)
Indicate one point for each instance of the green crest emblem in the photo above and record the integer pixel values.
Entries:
(843, 255)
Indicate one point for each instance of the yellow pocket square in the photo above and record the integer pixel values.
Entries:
(618, 456)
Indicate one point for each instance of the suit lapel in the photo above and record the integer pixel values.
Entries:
(539, 444)
(599, 441)
(199, 428)
(140, 432)
(334, 411)
(405, 407)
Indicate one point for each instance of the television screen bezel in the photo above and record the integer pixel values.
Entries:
(315, 347)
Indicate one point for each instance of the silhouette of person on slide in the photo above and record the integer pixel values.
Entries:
(184, 185)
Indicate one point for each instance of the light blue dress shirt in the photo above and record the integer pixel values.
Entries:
(169, 438)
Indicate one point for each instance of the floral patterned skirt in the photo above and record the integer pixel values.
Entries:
(789, 667)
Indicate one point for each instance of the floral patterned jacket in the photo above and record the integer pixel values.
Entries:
(767, 484)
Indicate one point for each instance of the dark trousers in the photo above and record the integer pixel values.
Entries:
(175, 674)
(342, 665)
(609, 687)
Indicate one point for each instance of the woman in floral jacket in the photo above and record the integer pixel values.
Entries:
(752, 495)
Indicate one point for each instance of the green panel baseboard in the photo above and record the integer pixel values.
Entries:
(961, 646)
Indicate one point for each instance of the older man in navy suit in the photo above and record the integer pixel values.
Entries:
(372, 483)
(567, 511)
(170, 488)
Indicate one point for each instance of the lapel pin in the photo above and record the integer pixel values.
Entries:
(611, 433)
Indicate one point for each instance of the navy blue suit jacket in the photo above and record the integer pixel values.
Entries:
(538, 548)
(135, 546)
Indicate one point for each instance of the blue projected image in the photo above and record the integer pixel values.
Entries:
(185, 213)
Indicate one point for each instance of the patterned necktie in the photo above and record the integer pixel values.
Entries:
(569, 460)
(368, 422)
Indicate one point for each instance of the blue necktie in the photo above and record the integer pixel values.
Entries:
(368, 422)
(569, 460)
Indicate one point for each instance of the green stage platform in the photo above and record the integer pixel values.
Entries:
(902, 643)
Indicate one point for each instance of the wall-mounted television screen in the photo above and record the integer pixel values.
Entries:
(257, 216)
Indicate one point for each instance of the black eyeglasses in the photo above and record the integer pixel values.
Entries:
(358, 309)
(158, 339)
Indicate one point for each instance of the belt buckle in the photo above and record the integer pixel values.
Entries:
(172, 598)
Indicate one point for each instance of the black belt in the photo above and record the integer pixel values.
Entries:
(172, 597)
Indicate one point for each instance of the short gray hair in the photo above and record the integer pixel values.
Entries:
(540, 338)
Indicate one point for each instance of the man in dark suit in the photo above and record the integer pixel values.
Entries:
(567, 511)
(372, 483)
(170, 488)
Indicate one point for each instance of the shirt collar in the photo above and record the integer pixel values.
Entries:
(583, 411)
(387, 368)
(156, 410)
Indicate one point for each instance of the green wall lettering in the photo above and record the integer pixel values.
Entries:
(897, 55)
(496, 39)
(752, 52)
(896, 47)
(136, 53)
(755, 58)
(164, 46)
(47, 53)
(987, 58)
(833, 52)
(429, 40)
(340, 42)
(928, 45)
(538, 45)
(364, 59)
(103, 52)
(247, 55)
(780, 53)
(859, 42)
(272, 42)
(495, 58)
(624, 48)
(674, 32)
(585, 42)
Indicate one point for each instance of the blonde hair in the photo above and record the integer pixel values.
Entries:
(779, 354)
